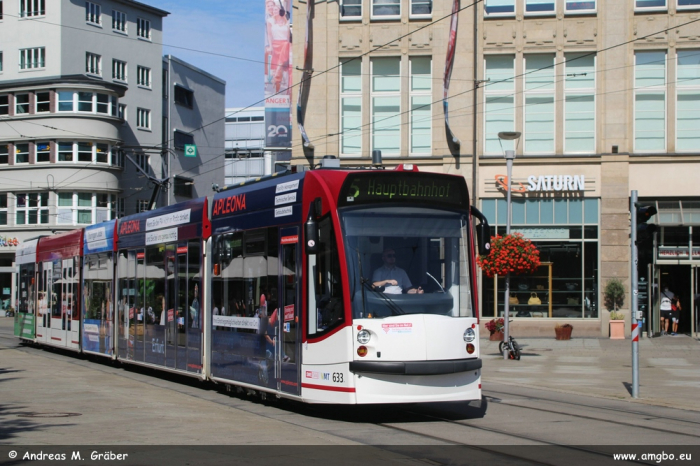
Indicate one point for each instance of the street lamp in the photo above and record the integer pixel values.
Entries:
(510, 155)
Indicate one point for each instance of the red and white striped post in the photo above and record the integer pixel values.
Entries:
(635, 292)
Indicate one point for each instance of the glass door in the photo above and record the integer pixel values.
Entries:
(288, 346)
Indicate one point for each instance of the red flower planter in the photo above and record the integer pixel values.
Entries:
(496, 336)
(510, 254)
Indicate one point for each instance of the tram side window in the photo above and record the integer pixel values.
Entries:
(327, 282)
(56, 295)
(26, 291)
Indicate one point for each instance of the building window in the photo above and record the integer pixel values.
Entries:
(499, 108)
(650, 101)
(386, 9)
(351, 107)
(33, 58)
(118, 158)
(121, 112)
(83, 208)
(539, 104)
(4, 153)
(143, 118)
(65, 151)
(421, 8)
(649, 5)
(4, 104)
(351, 9)
(21, 104)
(143, 76)
(43, 102)
(687, 100)
(93, 13)
(28, 8)
(579, 103)
(143, 28)
(142, 160)
(580, 7)
(0, 10)
(118, 208)
(386, 105)
(0, 57)
(180, 139)
(93, 63)
(499, 7)
(119, 70)
(421, 105)
(21, 153)
(184, 96)
(102, 103)
(118, 21)
(682, 5)
(43, 152)
(85, 152)
(65, 101)
(3, 206)
(85, 103)
(183, 186)
(32, 208)
(539, 7)
(142, 206)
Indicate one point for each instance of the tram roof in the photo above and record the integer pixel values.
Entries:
(60, 246)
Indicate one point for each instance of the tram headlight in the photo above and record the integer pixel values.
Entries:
(363, 337)
(469, 335)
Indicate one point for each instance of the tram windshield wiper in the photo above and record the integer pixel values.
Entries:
(395, 308)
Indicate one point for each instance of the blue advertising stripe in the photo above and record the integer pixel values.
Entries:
(99, 238)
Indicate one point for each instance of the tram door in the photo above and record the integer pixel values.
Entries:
(173, 319)
(71, 310)
(287, 349)
(43, 322)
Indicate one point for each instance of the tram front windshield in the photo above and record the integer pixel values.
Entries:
(407, 260)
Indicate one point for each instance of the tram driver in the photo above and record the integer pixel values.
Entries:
(393, 279)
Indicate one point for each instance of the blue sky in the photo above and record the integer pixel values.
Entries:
(230, 27)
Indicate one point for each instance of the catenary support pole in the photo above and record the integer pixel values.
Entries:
(635, 293)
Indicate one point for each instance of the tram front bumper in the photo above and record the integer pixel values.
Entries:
(452, 366)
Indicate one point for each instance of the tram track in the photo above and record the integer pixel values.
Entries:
(587, 406)
(303, 411)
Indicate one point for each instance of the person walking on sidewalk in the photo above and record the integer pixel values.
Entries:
(675, 314)
(666, 309)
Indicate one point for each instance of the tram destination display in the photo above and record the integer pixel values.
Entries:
(411, 187)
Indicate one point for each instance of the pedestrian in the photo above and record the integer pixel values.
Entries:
(666, 309)
(675, 315)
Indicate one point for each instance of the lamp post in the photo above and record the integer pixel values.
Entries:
(510, 155)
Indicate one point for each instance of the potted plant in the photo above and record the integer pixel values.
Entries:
(510, 254)
(614, 299)
(495, 328)
(563, 331)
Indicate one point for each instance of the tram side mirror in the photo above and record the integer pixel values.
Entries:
(311, 227)
(483, 232)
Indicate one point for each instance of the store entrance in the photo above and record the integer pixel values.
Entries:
(678, 278)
